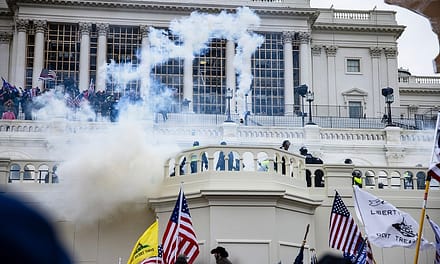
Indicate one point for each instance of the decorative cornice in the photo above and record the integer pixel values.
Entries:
(175, 6)
(422, 90)
(397, 30)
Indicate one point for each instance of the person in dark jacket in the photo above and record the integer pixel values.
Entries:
(221, 255)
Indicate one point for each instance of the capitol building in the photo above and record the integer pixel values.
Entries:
(133, 84)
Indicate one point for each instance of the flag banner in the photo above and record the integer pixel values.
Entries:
(47, 75)
(364, 255)
(179, 236)
(344, 234)
(436, 230)
(436, 150)
(6, 85)
(313, 257)
(385, 225)
(147, 246)
(434, 172)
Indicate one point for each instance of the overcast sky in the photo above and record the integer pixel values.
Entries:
(418, 45)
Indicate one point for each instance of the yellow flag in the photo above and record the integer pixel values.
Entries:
(147, 245)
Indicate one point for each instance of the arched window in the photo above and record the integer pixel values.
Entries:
(14, 173)
(421, 177)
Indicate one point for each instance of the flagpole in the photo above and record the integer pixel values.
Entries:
(428, 182)
(178, 219)
(422, 218)
(157, 259)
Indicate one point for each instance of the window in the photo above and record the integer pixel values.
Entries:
(353, 65)
(355, 109)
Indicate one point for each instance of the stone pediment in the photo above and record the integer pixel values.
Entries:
(354, 92)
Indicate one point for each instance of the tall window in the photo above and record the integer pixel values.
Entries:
(62, 52)
(268, 72)
(29, 57)
(209, 79)
(123, 43)
(355, 109)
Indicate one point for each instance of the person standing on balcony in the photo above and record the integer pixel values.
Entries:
(221, 160)
(284, 146)
(193, 163)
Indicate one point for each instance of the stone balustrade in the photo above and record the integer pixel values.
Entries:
(248, 162)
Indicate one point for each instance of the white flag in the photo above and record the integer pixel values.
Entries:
(385, 225)
(436, 230)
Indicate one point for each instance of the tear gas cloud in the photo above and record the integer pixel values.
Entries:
(101, 171)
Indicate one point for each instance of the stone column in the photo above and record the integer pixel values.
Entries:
(84, 58)
(144, 62)
(318, 75)
(391, 57)
(40, 27)
(305, 58)
(101, 58)
(230, 72)
(20, 62)
(188, 81)
(378, 102)
(5, 40)
(288, 72)
(331, 75)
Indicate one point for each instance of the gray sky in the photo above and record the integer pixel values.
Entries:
(418, 45)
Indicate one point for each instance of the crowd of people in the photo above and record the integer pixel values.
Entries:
(16, 101)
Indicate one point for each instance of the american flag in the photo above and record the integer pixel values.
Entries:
(179, 236)
(344, 234)
(434, 172)
(155, 260)
(436, 230)
(47, 75)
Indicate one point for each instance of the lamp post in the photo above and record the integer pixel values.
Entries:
(310, 96)
(229, 97)
(302, 91)
(389, 99)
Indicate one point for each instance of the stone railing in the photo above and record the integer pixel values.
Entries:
(28, 171)
(431, 80)
(359, 17)
(234, 161)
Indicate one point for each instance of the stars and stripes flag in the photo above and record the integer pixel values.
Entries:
(155, 260)
(434, 172)
(344, 234)
(179, 236)
(47, 75)
(436, 230)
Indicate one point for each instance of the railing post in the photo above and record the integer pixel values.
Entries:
(4, 171)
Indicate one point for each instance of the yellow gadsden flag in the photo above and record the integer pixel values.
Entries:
(146, 246)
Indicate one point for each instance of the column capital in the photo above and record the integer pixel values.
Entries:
(102, 28)
(316, 50)
(287, 36)
(21, 24)
(390, 53)
(375, 52)
(5, 36)
(304, 37)
(331, 51)
(40, 25)
(145, 29)
(85, 28)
